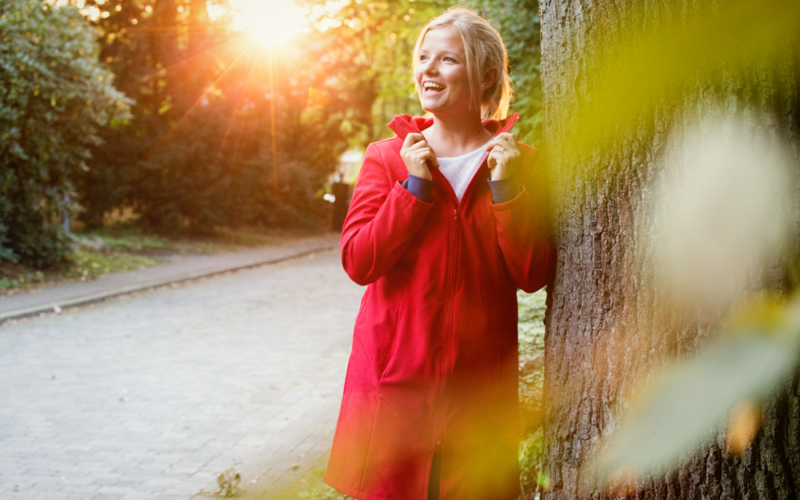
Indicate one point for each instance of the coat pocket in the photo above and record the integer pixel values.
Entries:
(396, 335)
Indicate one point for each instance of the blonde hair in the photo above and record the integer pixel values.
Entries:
(485, 50)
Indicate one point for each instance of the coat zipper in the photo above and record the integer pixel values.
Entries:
(450, 276)
(443, 363)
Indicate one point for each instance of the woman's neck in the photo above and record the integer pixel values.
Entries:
(456, 136)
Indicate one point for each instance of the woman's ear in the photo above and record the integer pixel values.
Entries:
(489, 77)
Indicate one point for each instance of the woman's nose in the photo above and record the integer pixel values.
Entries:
(430, 68)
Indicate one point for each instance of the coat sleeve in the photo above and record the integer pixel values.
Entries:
(522, 229)
(382, 219)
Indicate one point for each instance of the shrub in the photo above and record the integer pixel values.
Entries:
(54, 96)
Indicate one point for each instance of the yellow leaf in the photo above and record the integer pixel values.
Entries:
(763, 312)
(743, 425)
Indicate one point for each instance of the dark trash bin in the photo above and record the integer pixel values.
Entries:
(341, 202)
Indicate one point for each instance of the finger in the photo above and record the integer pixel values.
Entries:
(496, 158)
(508, 135)
(504, 142)
(411, 139)
(423, 147)
(501, 141)
(500, 150)
(431, 158)
(508, 148)
(511, 138)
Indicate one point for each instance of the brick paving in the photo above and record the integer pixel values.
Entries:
(150, 396)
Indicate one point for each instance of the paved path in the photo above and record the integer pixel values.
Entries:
(177, 269)
(153, 395)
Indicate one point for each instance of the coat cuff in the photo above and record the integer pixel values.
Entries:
(504, 189)
(421, 188)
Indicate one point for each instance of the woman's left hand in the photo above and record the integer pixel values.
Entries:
(503, 156)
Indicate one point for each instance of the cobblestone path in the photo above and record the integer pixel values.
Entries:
(153, 395)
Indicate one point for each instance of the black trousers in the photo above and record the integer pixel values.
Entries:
(436, 472)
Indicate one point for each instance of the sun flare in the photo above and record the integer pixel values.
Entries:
(269, 22)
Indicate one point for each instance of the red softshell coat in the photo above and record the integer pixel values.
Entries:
(434, 355)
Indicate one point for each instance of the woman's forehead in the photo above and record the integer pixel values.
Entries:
(443, 38)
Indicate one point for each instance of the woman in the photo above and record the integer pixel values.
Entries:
(430, 404)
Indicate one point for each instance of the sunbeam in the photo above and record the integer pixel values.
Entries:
(183, 118)
(269, 22)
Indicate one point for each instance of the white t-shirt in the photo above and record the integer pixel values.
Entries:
(459, 170)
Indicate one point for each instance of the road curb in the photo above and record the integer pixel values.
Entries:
(54, 307)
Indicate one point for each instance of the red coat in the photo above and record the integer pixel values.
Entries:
(434, 354)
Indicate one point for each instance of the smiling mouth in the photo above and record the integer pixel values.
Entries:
(429, 87)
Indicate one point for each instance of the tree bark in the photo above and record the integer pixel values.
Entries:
(604, 324)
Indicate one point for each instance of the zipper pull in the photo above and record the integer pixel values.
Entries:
(455, 214)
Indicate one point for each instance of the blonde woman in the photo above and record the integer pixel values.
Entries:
(447, 221)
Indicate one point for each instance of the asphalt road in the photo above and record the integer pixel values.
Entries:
(153, 395)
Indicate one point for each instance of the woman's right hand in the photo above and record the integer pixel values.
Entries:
(417, 155)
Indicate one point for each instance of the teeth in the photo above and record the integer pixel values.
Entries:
(432, 85)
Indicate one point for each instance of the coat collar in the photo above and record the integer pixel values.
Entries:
(402, 125)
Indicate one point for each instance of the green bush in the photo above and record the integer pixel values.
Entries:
(54, 97)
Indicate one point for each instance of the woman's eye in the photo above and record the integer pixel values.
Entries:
(450, 59)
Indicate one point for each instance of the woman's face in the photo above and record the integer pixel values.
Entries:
(441, 73)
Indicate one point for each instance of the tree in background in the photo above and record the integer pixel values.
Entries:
(518, 22)
(55, 97)
(218, 136)
(365, 51)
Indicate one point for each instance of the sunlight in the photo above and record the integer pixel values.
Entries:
(269, 22)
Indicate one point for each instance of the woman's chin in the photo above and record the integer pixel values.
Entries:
(433, 107)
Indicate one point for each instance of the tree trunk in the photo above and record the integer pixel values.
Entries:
(603, 324)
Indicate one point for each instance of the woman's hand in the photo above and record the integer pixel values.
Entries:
(417, 155)
(503, 156)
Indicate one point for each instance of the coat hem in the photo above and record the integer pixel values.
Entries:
(351, 492)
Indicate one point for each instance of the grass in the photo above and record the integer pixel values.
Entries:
(531, 383)
(531, 359)
(126, 247)
(309, 486)
(134, 239)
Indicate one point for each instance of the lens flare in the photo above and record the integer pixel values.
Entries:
(269, 22)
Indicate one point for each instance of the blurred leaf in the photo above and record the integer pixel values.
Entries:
(743, 425)
(683, 405)
(644, 69)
